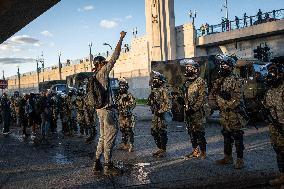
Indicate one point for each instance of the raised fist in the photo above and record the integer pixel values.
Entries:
(122, 34)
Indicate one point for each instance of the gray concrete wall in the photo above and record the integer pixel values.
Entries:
(245, 48)
(252, 32)
(139, 86)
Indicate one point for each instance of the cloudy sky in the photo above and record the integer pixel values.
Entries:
(71, 25)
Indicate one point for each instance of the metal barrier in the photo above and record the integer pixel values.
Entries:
(246, 21)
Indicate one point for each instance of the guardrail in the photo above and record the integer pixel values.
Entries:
(246, 21)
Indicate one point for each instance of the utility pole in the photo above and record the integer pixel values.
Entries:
(42, 66)
(135, 32)
(227, 9)
(3, 79)
(37, 71)
(193, 16)
(59, 66)
(19, 79)
(91, 61)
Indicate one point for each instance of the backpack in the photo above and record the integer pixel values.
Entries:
(96, 96)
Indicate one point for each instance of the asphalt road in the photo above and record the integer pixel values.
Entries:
(66, 162)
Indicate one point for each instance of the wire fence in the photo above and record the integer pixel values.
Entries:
(246, 21)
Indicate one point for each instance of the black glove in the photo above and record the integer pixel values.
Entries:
(225, 95)
(189, 112)
(181, 101)
(158, 114)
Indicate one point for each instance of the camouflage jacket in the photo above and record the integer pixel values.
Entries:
(228, 92)
(195, 94)
(125, 104)
(274, 101)
(233, 87)
(160, 100)
(80, 103)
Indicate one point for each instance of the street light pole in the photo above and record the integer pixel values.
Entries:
(37, 70)
(135, 32)
(19, 79)
(193, 16)
(90, 45)
(59, 66)
(106, 44)
(227, 9)
(42, 65)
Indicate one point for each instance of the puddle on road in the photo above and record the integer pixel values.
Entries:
(61, 159)
(138, 172)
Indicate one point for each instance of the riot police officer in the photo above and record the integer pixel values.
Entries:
(274, 102)
(80, 105)
(159, 101)
(5, 107)
(195, 98)
(228, 92)
(125, 105)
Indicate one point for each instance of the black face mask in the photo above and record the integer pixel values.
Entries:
(224, 71)
(156, 83)
(122, 89)
(273, 80)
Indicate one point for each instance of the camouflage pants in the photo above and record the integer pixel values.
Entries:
(6, 119)
(108, 133)
(92, 120)
(230, 120)
(233, 136)
(196, 130)
(159, 132)
(126, 128)
(277, 141)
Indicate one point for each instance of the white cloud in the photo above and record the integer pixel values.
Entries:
(8, 60)
(86, 8)
(19, 43)
(51, 44)
(89, 7)
(108, 24)
(128, 17)
(118, 19)
(23, 39)
(46, 33)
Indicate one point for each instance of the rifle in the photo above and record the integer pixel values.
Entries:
(268, 117)
(154, 103)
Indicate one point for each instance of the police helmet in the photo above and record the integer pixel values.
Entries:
(226, 64)
(158, 79)
(192, 68)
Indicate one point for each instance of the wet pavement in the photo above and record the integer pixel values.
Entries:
(66, 162)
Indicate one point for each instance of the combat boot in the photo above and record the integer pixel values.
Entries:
(98, 167)
(90, 139)
(111, 170)
(277, 181)
(155, 154)
(131, 148)
(194, 154)
(122, 146)
(239, 163)
(226, 160)
(162, 154)
(203, 155)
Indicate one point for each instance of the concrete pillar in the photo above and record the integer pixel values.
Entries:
(160, 29)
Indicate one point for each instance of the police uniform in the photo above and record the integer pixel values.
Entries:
(71, 102)
(126, 103)
(228, 92)
(195, 99)
(160, 102)
(80, 104)
(5, 107)
(274, 102)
